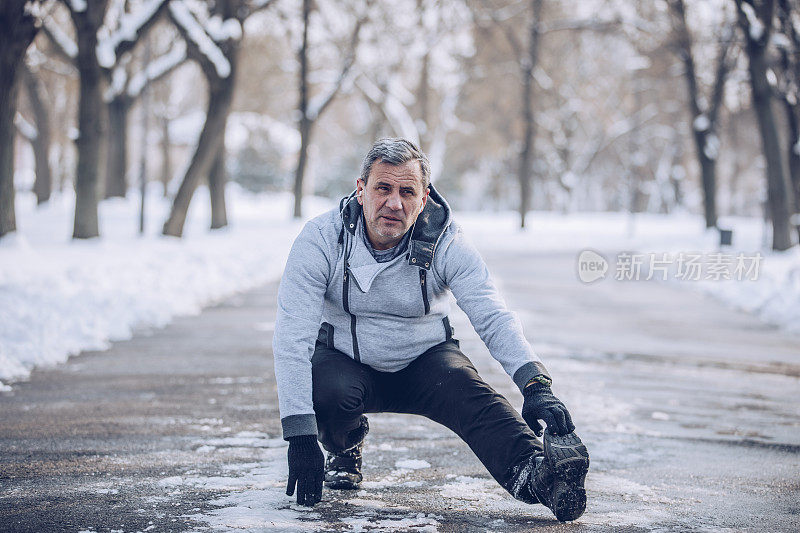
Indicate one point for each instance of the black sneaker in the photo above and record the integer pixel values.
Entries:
(558, 479)
(343, 469)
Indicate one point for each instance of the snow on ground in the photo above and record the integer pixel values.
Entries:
(768, 287)
(59, 297)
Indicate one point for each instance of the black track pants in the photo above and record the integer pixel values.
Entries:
(441, 384)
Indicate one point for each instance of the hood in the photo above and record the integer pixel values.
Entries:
(426, 231)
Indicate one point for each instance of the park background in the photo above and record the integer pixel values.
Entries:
(159, 156)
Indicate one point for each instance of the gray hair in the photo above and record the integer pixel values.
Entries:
(396, 151)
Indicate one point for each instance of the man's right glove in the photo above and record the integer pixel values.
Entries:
(540, 404)
(306, 469)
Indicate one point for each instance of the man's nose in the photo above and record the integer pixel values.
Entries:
(394, 202)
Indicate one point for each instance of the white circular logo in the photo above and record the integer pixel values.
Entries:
(591, 266)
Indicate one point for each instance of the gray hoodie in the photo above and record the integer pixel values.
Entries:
(384, 315)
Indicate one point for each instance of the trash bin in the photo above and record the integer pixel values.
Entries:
(725, 237)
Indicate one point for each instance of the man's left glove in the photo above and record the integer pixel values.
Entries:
(540, 404)
(306, 469)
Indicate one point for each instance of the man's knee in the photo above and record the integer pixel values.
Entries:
(335, 399)
(461, 378)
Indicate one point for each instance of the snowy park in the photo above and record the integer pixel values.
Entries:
(595, 205)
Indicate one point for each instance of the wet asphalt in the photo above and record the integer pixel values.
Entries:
(690, 410)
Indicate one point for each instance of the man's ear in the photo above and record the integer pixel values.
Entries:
(360, 191)
(425, 198)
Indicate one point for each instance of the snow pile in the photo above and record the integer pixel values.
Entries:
(59, 297)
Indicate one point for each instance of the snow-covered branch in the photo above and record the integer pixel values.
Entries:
(25, 128)
(755, 26)
(77, 6)
(64, 46)
(222, 30)
(157, 69)
(129, 29)
(198, 38)
(391, 106)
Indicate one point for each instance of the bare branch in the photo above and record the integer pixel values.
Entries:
(313, 112)
(592, 24)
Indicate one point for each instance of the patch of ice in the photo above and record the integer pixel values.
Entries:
(412, 464)
(418, 523)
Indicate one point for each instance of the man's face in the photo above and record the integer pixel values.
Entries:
(392, 199)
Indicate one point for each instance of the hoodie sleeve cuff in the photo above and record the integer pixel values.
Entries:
(295, 425)
(527, 371)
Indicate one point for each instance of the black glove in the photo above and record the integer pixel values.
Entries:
(306, 468)
(540, 404)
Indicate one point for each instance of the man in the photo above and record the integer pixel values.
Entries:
(362, 327)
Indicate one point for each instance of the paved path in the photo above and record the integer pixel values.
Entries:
(691, 412)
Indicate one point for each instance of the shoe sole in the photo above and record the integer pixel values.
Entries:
(342, 482)
(569, 459)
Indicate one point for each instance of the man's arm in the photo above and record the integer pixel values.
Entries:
(465, 272)
(468, 278)
(300, 301)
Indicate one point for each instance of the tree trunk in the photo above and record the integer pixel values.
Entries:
(707, 176)
(299, 175)
(43, 185)
(778, 188)
(302, 107)
(217, 179)
(700, 132)
(208, 145)
(117, 160)
(424, 87)
(91, 123)
(17, 30)
(793, 143)
(526, 153)
(8, 99)
(166, 164)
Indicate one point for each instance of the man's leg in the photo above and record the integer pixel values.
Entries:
(343, 390)
(443, 385)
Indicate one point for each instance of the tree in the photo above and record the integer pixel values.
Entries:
(525, 53)
(213, 37)
(124, 92)
(40, 140)
(704, 118)
(18, 27)
(788, 41)
(96, 59)
(87, 18)
(414, 85)
(310, 110)
(755, 19)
